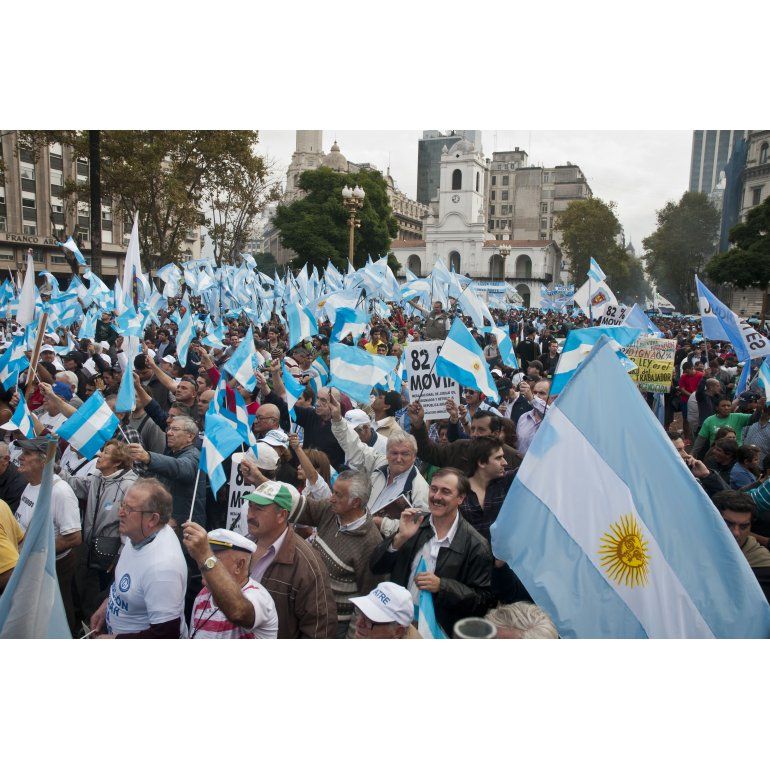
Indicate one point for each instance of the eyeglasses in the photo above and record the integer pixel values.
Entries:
(127, 509)
(261, 417)
(363, 621)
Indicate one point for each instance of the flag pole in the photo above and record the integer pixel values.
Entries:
(194, 494)
(36, 354)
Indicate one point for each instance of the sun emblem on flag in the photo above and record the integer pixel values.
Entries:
(624, 553)
(476, 366)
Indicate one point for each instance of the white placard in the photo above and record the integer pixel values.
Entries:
(236, 510)
(614, 315)
(424, 384)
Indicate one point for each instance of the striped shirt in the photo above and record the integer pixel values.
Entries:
(209, 622)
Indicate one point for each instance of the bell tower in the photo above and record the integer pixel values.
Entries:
(461, 189)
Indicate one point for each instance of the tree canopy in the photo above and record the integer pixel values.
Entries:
(681, 246)
(589, 229)
(316, 226)
(175, 180)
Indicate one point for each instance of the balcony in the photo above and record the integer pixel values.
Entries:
(536, 276)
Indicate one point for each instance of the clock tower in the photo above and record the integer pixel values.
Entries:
(461, 189)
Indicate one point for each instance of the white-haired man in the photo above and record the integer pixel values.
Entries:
(231, 605)
(391, 475)
(521, 620)
(363, 426)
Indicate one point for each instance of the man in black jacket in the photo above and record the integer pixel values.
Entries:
(458, 559)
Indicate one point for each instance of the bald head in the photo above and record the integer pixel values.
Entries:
(268, 418)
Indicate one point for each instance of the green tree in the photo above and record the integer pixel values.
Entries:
(589, 228)
(625, 276)
(747, 264)
(681, 246)
(169, 177)
(266, 262)
(316, 226)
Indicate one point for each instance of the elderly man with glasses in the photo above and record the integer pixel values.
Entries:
(146, 599)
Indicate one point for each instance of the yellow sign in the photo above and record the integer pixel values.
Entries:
(654, 359)
(624, 553)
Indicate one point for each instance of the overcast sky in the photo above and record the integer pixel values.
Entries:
(639, 170)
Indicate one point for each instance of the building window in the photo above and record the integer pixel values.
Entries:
(491, 211)
(546, 177)
(492, 195)
(57, 178)
(29, 229)
(543, 208)
(544, 224)
(457, 179)
(763, 153)
(505, 195)
(478, 179)
(27, 171)
(6, 256)
(756, 196)
(3, 223)
(505, 181)
(494, 180)
(2, 195)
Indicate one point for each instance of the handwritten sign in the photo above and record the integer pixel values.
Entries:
(654, 359)
(424, 384)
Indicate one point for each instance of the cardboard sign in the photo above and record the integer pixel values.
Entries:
(614, 315)
(654, 358)
(236, 509)
(424, 384)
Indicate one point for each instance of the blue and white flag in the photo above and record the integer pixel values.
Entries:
(220, 440)
(355, 372)
(638, 319)
(474, 307)
(595, 273)
(743, 380)
(184, 337)
(12, 363)
(579, 344)
(31, 606)
(720, 323)
(91, 427)
(21, 419)
(505, 347)
(596, 544)
(425, 612)
(349, 321)
(462, 359)
(319, 374)
(302, 324)
(241, 363)
(764, 378)
(70, 245)
(294, 388)
(126, 400)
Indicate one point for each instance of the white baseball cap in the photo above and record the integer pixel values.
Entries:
(47, 349)
(357, 417)
(169, 359)
(275, 437)
(387, 603)
(223, 539)
(52, 335)
(267, 458)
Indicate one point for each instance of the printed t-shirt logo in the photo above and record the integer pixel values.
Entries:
(125, 582)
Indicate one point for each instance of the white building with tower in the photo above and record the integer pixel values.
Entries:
(456, 231)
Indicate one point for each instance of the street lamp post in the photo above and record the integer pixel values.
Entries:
(353, 200)
(505, 249)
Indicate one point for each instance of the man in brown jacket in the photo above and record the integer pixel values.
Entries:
(288, 567)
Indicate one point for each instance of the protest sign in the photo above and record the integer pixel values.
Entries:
(654, 358)
(236, 510)
(424, 384)
(614, 315)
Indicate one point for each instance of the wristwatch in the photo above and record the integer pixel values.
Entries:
(209, 564)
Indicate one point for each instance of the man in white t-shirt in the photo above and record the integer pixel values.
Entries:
(146, 600)
(64, 508)
(232, 605)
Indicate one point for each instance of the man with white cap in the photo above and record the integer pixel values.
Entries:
(363, 426)
(385, 613)
(288, 567)
(277, 441)
(231, 605)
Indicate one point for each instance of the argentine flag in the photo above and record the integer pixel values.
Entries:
(355, 372)
(578, 346)
(21, 419)
(126, 400)
(294, 389)
(220, 440)
(505, 347)
(462, 359)
(302, 324)
(12, 363)
(184, 337)
(91, 427)
(425, 612)
(349, 321)
(598, 545)
(595, 273)
(31, 606)
(764, 378)
(241, 363)
(720, 323)
(73, 247)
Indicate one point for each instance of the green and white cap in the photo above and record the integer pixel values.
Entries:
(283, 495)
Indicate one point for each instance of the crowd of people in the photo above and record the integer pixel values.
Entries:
(352, 512)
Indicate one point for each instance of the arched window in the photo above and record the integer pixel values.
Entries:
(457, 179)
(454, 261)
(763, 153)
(523, 291)
(415, 265)
(478, 176)
(496, 267)
(523, 266)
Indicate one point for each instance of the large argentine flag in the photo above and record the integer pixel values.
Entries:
(355, 372)
(302, 324)
(462, 359)
(720, 323)
(220, 439)
(598, 544)
(578, 346)
(31, 605)
(21, 419)
(91, 427)
(241, 363)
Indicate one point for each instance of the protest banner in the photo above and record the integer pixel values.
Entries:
(424, 384)
(614, 315)
(654, 359)
(236, 512)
